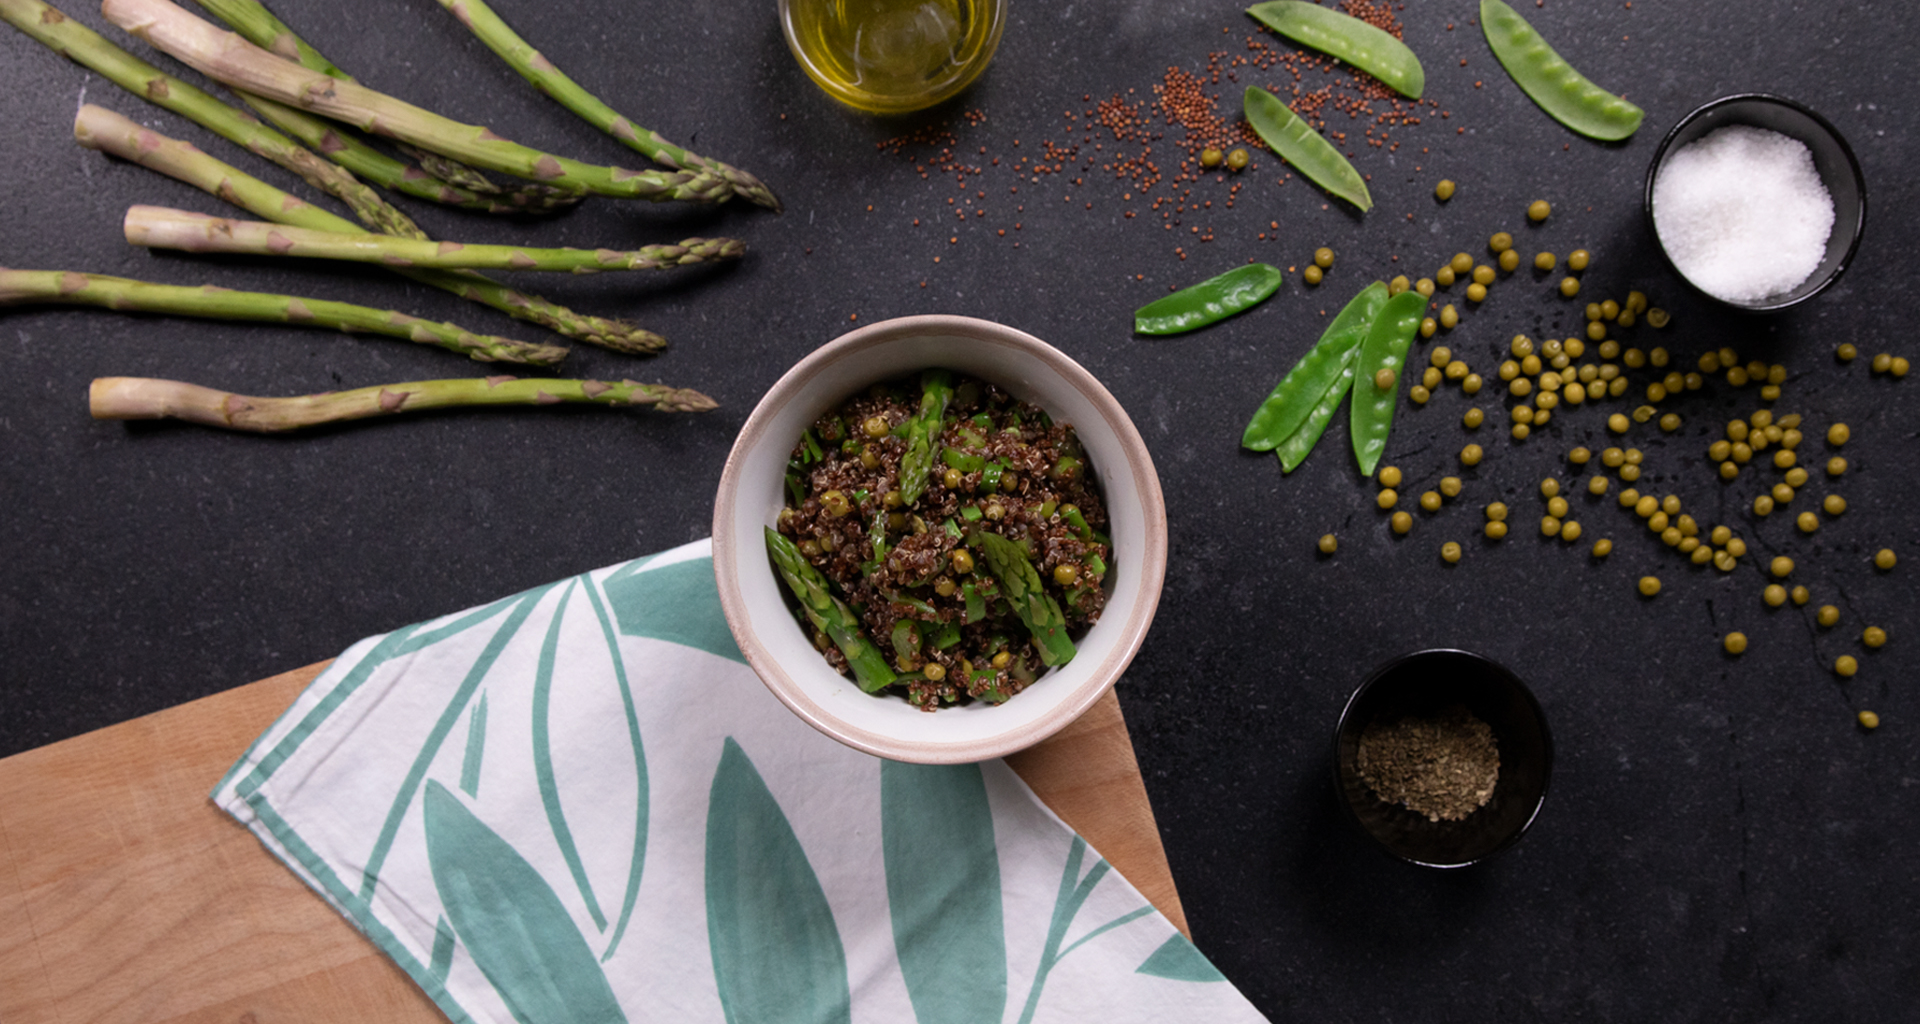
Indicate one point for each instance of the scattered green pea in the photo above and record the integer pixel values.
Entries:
(1500, 242)
(1238, 160)
(1649, 585)
(1313, 274)
(1873, 636)
(1569, 286)
(1430, 501)
(1444, 190)
(1510, 260)
(1402, 522)
(1602, 548)
(1868, 720)
(1774, 595)
(1735, 643)
(1884, 559)
(1800, 595)
(1845, 666)
(1845, 352)
(1578, 260)
(1328, 544)
(1539, 210)
(1544, 261)
(1323, 257)
(1450, 551)
(1211, 157)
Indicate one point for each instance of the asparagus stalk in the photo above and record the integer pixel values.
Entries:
(923, 434)
(260, 27)
(829, 614)
(370, 164)
(161, 228)
(232, 60)
(144, 398)
(21, 287)
(104, 130)
(1035, 607)
(86, 47)
(534, 67)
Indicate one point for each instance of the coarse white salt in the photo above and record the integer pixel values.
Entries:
(1742, 213)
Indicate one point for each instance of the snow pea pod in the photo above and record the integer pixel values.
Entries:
(1348, 38)
(1292, 400)
(1214, 299)
(1384, 349)
(1299, 444)
(1304, 148)
(1551, 82)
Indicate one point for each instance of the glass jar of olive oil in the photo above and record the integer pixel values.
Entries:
(893, 56)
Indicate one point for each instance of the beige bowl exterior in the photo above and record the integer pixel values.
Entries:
(750, 498)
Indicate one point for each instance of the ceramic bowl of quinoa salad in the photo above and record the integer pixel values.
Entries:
(939, 539)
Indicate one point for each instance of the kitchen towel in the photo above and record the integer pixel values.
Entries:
(579, 805)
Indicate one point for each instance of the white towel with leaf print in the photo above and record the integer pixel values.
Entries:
(578, 805)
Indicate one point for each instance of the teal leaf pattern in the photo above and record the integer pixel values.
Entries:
(1180, 960)
(511, 922)
(476, 749)
(943, 890)
(543, 762)
(370, 874)
(642, 803)
(678, 603)
(777, 956)
(1073, 894)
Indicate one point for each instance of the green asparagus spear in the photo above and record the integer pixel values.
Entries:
(346, 149)
(21, 287)
(923, 434)
(1021, 583)
(104, 130)
(229, 59)
(259, 26)
(142, 398)
(161, 228)
(829, 614)
(469, 190)
(534, 67)
(84, 46)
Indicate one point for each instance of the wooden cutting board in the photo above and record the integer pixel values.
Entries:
(125, 895)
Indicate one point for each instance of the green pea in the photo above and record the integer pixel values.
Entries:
(1210, 157)
(1348, 38)
(1564, 93)
(1307, 150)
(1444, 190)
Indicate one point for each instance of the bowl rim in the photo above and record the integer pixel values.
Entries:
(1846, 149)
(1533, 703)
(1133, 629)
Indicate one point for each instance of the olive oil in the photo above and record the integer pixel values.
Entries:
(892, 56)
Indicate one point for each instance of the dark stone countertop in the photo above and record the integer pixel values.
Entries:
(1721, 841)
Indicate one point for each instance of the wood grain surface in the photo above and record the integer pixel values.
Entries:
(127, 896)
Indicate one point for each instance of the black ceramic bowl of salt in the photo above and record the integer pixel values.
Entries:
(1437, 685)
(1833, 161)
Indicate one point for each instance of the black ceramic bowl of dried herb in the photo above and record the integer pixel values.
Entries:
(1443, 757)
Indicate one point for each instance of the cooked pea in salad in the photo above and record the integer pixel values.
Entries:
(943, 538)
